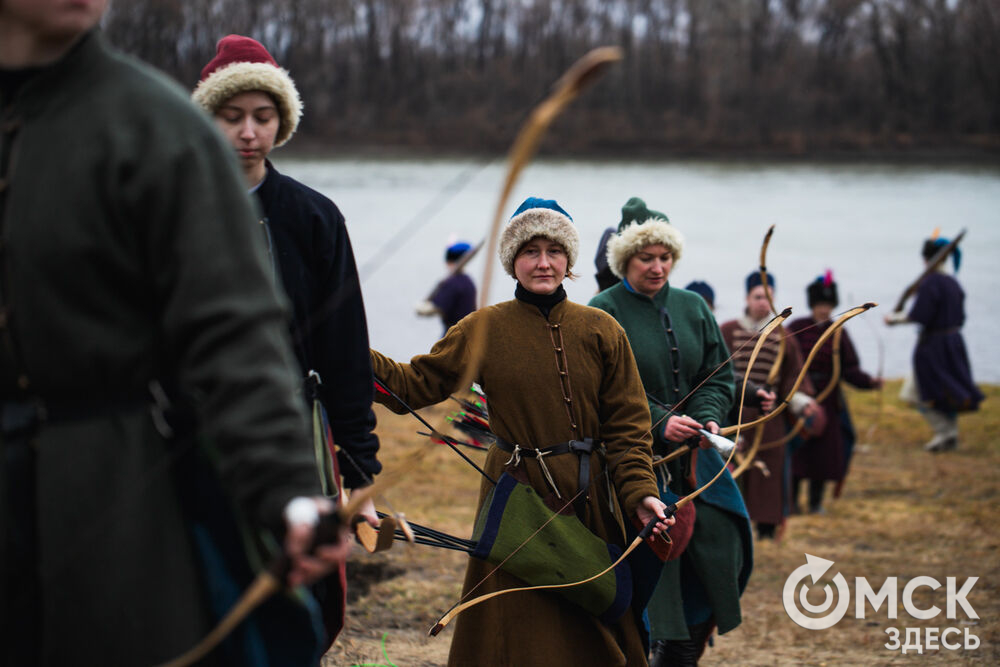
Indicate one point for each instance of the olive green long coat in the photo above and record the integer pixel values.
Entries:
(520, 373)
(130, 252)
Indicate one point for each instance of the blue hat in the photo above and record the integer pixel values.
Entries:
(455, 251)
(704, 289)
(753, 280)
(932, 245)
(538, 217)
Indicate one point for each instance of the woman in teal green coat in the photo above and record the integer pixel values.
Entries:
(677, 347)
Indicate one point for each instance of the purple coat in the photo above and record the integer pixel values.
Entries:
(940, 362)
(826, 456)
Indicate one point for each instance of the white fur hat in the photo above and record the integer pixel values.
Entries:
(636, 236)
(242, 64)
(538, 217)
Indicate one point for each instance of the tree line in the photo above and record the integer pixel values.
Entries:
(796, 76)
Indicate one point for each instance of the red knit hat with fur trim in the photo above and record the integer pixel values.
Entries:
(240, 65)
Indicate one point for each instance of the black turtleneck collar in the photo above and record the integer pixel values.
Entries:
(544, 302)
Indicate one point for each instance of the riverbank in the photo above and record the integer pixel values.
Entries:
(903, 513)
(984, 151)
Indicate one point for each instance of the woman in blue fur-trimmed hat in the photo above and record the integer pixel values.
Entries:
(941, 385)
(555, 372)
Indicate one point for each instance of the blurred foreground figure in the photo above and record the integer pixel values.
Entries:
(941, 385)
(147, 414)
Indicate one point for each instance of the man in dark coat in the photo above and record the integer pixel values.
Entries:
(128, 261)
(942, 384)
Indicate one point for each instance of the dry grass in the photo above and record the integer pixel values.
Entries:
(904, 513)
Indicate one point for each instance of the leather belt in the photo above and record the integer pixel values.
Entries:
(582, 448)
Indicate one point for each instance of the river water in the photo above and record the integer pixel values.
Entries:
(866, 222)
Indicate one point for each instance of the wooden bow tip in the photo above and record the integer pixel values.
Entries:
(786, 313)
(433, 632)
(870, 305)
(588, 67)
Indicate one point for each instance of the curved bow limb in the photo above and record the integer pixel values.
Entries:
(763, 267)
(583, 72)
(932, 266)
(840, 321)
(834, 382)
(750, 457)
(569, 86)
(646, 532)
(771, 326)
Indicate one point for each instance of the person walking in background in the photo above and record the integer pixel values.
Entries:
(557, 374)
(826, 455)
(704, 290)
(685, 370)
(455, 296)
(941, 386)
(604, 276)
(778, 364)
(256, 105)
(756, 396)
(146, 377)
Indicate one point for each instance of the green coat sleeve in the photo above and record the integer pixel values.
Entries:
(714, 396)
(222, 318)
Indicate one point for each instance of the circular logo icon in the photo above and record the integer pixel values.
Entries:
(815, 567)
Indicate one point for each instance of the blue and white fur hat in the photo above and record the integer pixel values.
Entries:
(538, 217)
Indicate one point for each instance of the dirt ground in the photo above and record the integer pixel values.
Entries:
(903, 513)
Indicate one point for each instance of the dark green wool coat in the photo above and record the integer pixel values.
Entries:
(130, 252)
(677, 346)
(701, 351)
(520, 373)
